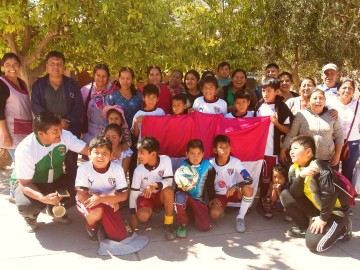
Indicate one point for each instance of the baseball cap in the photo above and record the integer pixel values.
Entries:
(329, 66)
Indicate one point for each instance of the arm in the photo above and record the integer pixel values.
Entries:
(282, 127)
(30, 190)
(339, 142)
(37, 105)
(4, 95)
(6, 135)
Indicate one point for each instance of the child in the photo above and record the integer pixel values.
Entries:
(228, 187)
(150, 97)
(319, 208)
(114, 133)
(115, 115)
(178, 104)
(100, 186)
(152, 186)
(241, 103)
(279, 182)
(281, 117)
(199, 195)
(210, 103)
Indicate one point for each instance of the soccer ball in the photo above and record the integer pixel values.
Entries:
(186, 177)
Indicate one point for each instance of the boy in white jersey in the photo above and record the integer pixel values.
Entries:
(241, 103)
(100, 186)
(210, 103)
(152, 186)
(232, 182)
(151, 97)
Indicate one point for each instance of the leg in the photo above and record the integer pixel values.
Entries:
(167, 199)
(217, 209)
(145, 208)
(201, 214)
(113, 224)
(71, 169)
(246, 194)
(181, 200)
(349, 165)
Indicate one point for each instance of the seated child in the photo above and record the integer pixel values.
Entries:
(114, 133)
(210, 103)
(279, 181)
(100, 186)
(241, 103)
(197, 197)
(232, 182)
(179, 104)
(152, 186)
(115, 115)
(151, 98)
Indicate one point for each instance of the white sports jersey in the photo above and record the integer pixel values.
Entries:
(248, 114)
(105, 183)
(227, 175)
(157, 111)
(144, 176)
(217, 107)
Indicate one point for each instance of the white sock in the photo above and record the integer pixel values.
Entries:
(245, 204)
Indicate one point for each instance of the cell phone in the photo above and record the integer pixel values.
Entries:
(62, 193)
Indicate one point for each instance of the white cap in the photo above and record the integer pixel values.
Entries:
(329, 66)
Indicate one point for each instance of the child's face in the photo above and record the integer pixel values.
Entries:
(150, 101)
(115, 118)
(178, 107)
(269, 94)
(145, 157)
(114, 137)
(222, 149)
(100, 157)
(195, 155)
(299, 154)
(278, 178)
(242, 105)
(272, 72)
(209, 91)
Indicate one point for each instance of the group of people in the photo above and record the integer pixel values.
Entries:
(103, 122)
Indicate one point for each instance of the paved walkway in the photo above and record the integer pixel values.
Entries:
(263, 246)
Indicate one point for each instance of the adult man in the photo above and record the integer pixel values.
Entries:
(271, 70)
(39, 168)
(224, 74)
(61, 95)
(313, 192)
(330, 75)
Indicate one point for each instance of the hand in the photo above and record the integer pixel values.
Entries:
(185, 188)
(65, 124)
(94, 200)
(191, 110)
(133, 222)
(317, 225)
(115, 206)
(148, 191)
(277, 187)
(334, 160)
(124, 147)
(310, 170)
(333, 113)
(140, 119)
(282, 156)
(274, 117)
(230, 191)
(52, 199)
(215, 202)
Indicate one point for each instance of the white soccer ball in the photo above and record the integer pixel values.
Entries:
(186, 177)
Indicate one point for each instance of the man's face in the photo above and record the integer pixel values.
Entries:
(175, 80)
(55, 67)
(330, 77)
(52, 135)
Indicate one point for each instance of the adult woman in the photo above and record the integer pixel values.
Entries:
(15, 108)
(346, 105)
(286, 82)
(94, 95)
(127, 96)
(301, 102)
(192, 78)
(317, 122)
(154, 77)
(238, 83)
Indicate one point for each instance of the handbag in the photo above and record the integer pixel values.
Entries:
(345, 151)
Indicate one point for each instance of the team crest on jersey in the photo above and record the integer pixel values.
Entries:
(230, 171)
(161, 173)
(217, 110)
(111, 180)
(62, 150)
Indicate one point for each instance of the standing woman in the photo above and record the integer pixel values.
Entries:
(154, 77)
(192, 88)
(301, 102)
(286, 82)
(15, 106)
(348, 110)
(94, 95)
(238, 83)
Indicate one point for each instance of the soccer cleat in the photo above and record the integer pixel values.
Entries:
(296, 232)
(93, 234)
(181, 231)
(170, 233)
(240, 225)
(31, 224)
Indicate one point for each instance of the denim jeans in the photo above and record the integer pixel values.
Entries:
(347, 166)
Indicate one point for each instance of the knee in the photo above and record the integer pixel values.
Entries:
(180, 197)
(247, 191)
(216, 213)
(168, 193)
(96, 213)
(143, 215)
(286, 198)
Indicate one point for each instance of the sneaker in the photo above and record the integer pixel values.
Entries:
(296, 232)
(12, 199)
(170, 233)
(31, 224)
(181, 231)
(93, 234)
(240, 225)
(348, 233)
(351, 213)
(288, 218)
(269, 215)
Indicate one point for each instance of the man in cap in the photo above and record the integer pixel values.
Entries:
(330, 75)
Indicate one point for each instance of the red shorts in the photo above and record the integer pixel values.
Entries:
(153, 202)
(224, 200)
(270, 162)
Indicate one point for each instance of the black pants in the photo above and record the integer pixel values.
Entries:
(301, 210)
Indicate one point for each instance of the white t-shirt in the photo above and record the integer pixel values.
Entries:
(157, 111)
(34, 160)
(267, 110)
(248, 114)
(124, 154)
(227, 175)
(217, 107)
(104, 183)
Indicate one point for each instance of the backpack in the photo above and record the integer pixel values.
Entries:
(346, 186)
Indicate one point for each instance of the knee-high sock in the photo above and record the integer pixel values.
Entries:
(245, 204)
